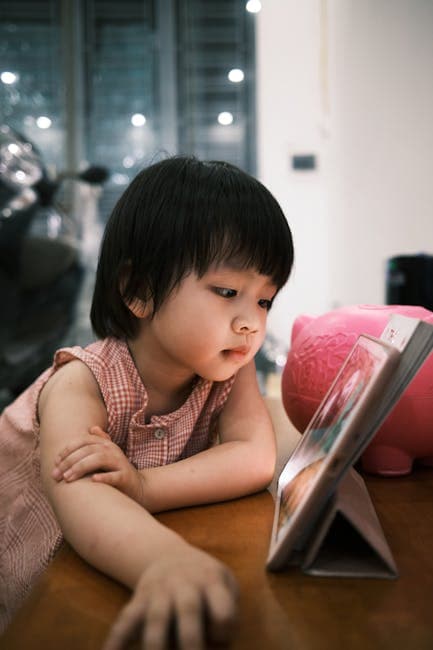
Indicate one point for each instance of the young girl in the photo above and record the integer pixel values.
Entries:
(192, 258)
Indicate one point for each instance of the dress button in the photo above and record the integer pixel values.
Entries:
(159, 434)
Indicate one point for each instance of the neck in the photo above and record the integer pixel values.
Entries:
(167, 387)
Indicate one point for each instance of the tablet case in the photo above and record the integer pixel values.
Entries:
(348, 539)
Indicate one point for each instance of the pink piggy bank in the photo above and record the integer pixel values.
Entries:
(319, 347)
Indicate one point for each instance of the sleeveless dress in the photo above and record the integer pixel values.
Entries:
(29, 532)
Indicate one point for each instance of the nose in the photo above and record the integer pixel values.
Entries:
(244, 324)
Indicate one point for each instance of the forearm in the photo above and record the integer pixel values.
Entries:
(224, 472)
(170, 578)
(108, 529)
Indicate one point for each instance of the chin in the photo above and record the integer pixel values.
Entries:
(224, 372)
(219, 376)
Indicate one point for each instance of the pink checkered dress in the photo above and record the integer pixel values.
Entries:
(29, 533)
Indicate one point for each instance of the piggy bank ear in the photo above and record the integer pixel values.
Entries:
(299, 325)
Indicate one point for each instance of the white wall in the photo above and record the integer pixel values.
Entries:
(381, 69)
(351, 81)
(291, 121)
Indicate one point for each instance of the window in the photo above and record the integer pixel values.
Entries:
(123, 83)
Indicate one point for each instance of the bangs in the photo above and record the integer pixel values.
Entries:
(244, 248)
(244, 227)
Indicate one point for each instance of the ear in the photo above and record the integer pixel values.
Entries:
(139, 308)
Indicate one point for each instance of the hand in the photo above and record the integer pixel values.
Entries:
(188, 592)
(97, 453)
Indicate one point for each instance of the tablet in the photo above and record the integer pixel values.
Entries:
(332, 442)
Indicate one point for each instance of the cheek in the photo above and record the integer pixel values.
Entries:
(206, 338)
(260, 339)
(193, 334)
(263, 317)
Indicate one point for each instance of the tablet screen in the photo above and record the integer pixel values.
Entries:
(328, 444)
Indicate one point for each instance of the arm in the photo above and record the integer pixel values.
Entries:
(120, 538)
(243, 463)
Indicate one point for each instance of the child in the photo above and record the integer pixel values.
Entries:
(191, 260)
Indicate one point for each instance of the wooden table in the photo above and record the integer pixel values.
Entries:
(73, 605)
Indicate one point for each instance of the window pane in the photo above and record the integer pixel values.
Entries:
(30, 51)
(216, 115)
(121, 101)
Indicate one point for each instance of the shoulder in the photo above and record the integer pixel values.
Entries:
(73, 378)
(101, 354)
(90, 368)
(98, 375)
(69, 404)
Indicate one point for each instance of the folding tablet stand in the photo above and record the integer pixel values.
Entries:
(348, 539)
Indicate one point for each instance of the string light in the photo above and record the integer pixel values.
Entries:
(138, 119)
(253, 6)
(43, 122)
(225, 118)
(8, 77)
(236, 75)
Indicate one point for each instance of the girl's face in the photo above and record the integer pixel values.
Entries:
(213, 325)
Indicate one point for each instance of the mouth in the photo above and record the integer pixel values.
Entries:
(242, 349)
(237, 354)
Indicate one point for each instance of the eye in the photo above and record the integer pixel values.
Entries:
(224, 292)
(265, 304)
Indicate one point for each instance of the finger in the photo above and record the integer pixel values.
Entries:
(231, 582)
(221, 604)
(64, 463)
(98, 431)
(71, 449)
(89, 464)
(126, 626)
(156, 628)
(189, 619)
(109, 478)
(76, 456)
(76, 447)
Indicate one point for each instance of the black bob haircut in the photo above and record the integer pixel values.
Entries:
(178, 216)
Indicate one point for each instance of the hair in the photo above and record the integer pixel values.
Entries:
(178, 216)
